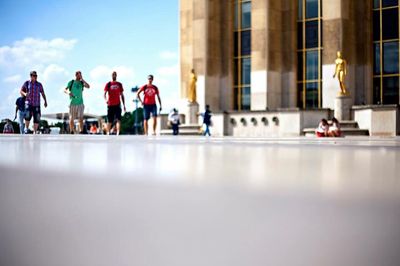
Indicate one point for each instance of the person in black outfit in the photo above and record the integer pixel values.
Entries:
(207, 120)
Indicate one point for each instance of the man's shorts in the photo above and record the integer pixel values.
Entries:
(149, 109)
(76, 111)
(114, 113)
(35, 112)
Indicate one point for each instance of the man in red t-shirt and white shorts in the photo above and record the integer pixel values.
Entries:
(115, 93)
(149, 103)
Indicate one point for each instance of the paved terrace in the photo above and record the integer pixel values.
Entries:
(134, 200)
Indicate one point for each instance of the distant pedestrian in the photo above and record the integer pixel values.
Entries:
(207, 120)
(173, 119)
(150, 92)
(21, 113)
(8, 127)
(32, 89)
(76, 108)
(113, 94)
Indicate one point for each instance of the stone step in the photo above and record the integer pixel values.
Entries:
(185, 129)
(347, 124)
(310, 132)
(193, 126)
(168, 132)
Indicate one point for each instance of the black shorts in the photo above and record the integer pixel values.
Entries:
(149, 109)
(35, 112)
(114, 113)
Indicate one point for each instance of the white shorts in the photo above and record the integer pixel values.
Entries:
(76, 111)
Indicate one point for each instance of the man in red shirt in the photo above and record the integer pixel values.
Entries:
(115, 92)
(149, 103)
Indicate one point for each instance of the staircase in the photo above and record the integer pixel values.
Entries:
(185, 130)
(348, 128)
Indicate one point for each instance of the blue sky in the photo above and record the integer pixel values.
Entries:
(56, 38)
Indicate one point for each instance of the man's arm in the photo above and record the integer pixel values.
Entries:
(44, 98)
(85, 84)
(16, 111)
(138, 95)
(105, 97)
(23, 91)
(123, 100)
(67, 90)
(159, 100)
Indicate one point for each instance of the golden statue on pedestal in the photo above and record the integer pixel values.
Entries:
(341, 72)
(192, 87)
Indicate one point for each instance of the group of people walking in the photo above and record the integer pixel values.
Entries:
(28, 105)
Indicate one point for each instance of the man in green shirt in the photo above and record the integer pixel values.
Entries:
(76, 108)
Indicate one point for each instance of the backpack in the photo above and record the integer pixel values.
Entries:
(26, 85)
(72, 84)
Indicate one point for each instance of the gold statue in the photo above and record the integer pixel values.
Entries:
(192, 87)
(341, 72)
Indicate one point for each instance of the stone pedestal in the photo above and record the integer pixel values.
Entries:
(191, 113)
(343, 104)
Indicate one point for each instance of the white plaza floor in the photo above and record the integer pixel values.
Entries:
(135, 200)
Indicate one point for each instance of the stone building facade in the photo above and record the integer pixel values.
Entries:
(265, 55)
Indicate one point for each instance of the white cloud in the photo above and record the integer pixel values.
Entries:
(167, 55)
(55, 74)
(168, 70)
(13, 79)
(167, 79)
(103, 73)
(31, 51)
(54, 80)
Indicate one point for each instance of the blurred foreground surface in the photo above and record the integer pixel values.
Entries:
(107, 200)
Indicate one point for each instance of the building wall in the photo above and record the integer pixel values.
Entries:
(206, 43)
(347, 27)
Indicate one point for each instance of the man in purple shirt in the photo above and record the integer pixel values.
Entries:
(32, 89)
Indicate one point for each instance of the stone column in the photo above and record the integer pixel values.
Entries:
(191, 113)
(343, 104)
(273, 61)
(347, 28)
(206, 45)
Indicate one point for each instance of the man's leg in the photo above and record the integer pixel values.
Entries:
(207, 131)
(36, 119)
(71, 125)
(118, 118)
(154, 124)
(118, 126)
(21, 117)
(35, 128)
(110, 117)
(28, 118)
(145, 127)
(81, 109)
(27, 125)
(108, 128)
(80, 125)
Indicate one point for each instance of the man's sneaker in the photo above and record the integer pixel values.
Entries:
(26, 131)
